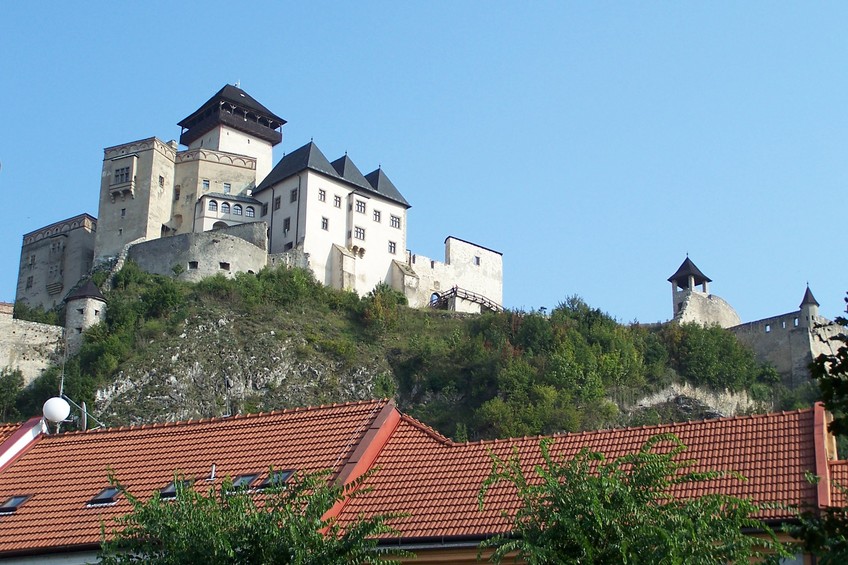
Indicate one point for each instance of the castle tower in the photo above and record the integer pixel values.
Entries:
(84, 308)
(684, 280)
(232, 121)
(809, 309)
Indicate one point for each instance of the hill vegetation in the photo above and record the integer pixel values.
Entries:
(492, 375)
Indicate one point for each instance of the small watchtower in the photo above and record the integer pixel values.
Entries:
(809, 309)
(84, 307)
(684, 281)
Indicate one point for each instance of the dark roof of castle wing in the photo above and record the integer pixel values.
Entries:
(809, 298)
(350, 172)
(310, 157)
(383, 186)
(233, 107)
(302, 158)
(87, 290)
(687, 268)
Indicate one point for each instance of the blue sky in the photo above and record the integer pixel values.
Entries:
(593, 143)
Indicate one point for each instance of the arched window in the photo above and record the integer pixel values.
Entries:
(213, 205)
(219, 225)
(237, 210)
(225, 208)
(250, 212)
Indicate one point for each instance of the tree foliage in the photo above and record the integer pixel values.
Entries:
(591, 510)
(227, 526)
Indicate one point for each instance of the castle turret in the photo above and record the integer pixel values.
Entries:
(809, 309)
(232, 121)
(684, 280)
(84, 308)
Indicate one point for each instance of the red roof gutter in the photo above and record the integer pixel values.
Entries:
(821, 443)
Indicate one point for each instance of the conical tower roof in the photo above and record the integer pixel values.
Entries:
(808, 298)
(87, 290)
(687, 268)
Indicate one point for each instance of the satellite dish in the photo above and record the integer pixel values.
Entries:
(56, 409)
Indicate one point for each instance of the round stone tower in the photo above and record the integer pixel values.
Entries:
(84, 307)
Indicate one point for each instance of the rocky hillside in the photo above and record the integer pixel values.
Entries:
(172, 351)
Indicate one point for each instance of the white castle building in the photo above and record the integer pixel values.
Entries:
(215, 203)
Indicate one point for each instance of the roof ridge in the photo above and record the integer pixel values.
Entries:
(196, 421)
(429, 430)
(648, 427)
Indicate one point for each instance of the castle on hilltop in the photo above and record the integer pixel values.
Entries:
(789, 342)
(215, 203)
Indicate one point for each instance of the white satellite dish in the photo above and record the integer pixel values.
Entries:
(56, 409)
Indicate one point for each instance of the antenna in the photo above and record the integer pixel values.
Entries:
(238, 83)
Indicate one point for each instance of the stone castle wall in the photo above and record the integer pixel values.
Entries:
(194, 256)
(28, 346)
(706, 309)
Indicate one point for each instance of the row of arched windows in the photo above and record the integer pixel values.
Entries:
(237, 210)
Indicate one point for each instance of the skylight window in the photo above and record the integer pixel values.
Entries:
(170, 491)
(12, 504)
(276, 479)
(105, 496)
(243, 481)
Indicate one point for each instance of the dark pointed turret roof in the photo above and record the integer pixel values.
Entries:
(350, 172)
(681, 276)
(382, 185)
(310, 157)
(263, 125)
(808, 298)
(302, 158)
(87, 290)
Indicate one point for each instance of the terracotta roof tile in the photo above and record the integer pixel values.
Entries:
(6, 430)
(438, 481)
(839, 483)
(63, 472)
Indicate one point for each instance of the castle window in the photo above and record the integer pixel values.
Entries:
(768, 328)
(377, 216)
(225, 208)
(250, 212)
(213, 205)
(161, 181)
(237, 210)
(359, 233)
(286, 225)
(205, 184)
(227, 188)
(322, 195)
(122, 175)
(360, 206)
(337, 201)
(224, 266)
(192, 265)
(177, 193)
(265, 209)
(79, 310)
(123, 212)
(395, 222)
(277, 203)
(120, 231)
(783, 324)
(392, 247)
(795, 322)
(293, 195)
(288, 246)
(29, 282)
(477, 260)
(325, 223)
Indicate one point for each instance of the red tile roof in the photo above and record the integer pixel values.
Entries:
(63, 472)
(437, 481)
(839, 483)
(7, 430)
(419, 471)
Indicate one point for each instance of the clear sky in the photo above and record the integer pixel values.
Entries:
(593, 143)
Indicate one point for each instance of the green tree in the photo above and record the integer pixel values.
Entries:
(232, 526)
(11, 383)
(589, 510)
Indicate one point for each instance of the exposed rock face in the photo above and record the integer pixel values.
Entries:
(718, 404)
(212, 370)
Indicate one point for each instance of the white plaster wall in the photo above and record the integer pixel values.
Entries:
(227, 139)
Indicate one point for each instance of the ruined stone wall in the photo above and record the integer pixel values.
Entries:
(707, 310)
(786, 344)
(194, 256)
(28, 346)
